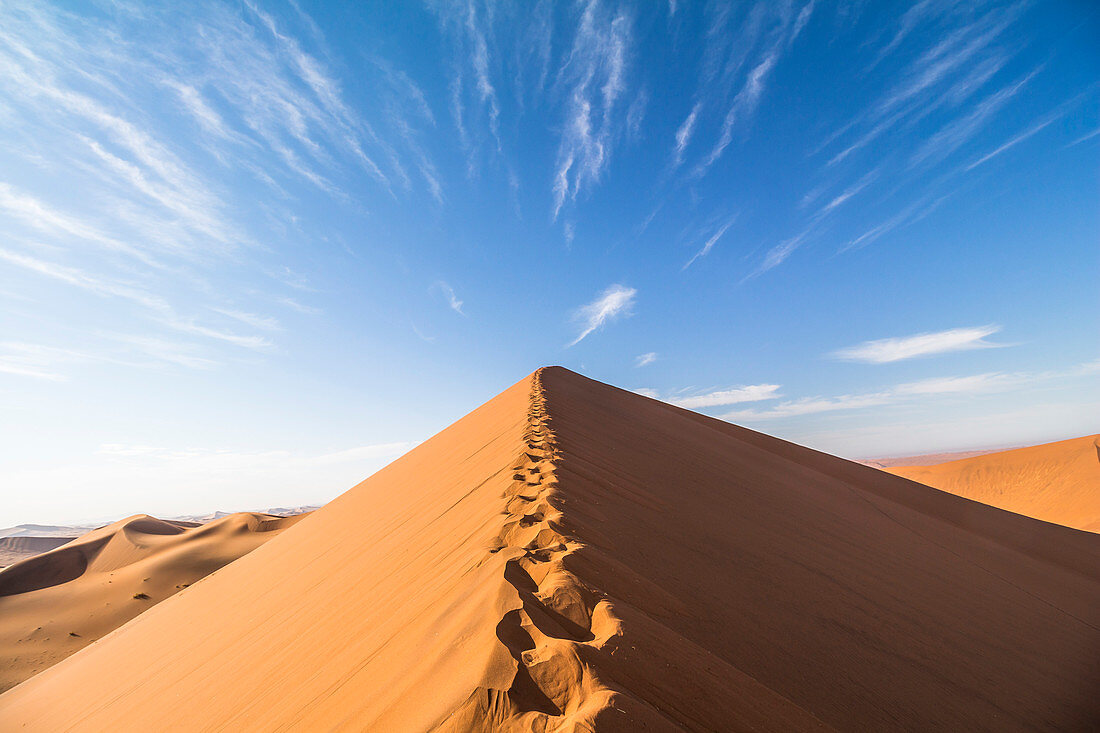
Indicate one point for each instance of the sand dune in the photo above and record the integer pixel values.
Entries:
(1056, 482)
(56, 603)
(927, 459)
(44, 530)
(572, 557)
(14, 549)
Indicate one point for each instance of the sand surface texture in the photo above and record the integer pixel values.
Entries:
(56, 603)
(1056, 482)
(573, 557)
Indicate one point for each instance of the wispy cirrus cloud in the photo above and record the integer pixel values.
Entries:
(160, 309)
(883, 351)
(449, 295)
(764, 35)
(1033, 129)
(711, 241)
(467, 24)
(54, 363)
(683, 135)
(34, 360)
(909, 392)
(617, 301)
(812, 405)
(645, 359)
(938, 84)
(264, 323)
(910, 214)
(85, 281)
(960, 131)
(779, 253)
(953, 84)
(730, 396)
(594, 83)
(164, 133)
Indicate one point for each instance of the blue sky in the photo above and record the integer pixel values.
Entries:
(253, 251)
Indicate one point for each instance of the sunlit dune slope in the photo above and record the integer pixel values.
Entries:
(571, 557)
(56, 603)
(1056, 482)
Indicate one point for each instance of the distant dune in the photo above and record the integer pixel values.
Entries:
(14, 549)
(926, 459)
(1056, 482)
(27, 540)
(58, 602)
(44, 530)
(573, 557)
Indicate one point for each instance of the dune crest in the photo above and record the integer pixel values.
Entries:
(570, 556)
(55, 603)
(1056, 482)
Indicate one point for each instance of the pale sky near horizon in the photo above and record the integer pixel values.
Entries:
(252, 251)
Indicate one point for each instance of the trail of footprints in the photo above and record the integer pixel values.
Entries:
(560, 616)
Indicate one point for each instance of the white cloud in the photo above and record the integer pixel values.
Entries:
(614, 302)
(1036, 127)
(683, 134)
(41, 216)
(258, 343)
(882, 351)
(595, 77)
(990, 382)
(911, 214)
(452, 300)
(811, 405)
(33, 360)
(159, 349)
(309, 310)
(961, 130)
(710, 242)
(264, 323)
(1083, 138)
(778, 254)
(43, 361)
(910, 392)
(731, 396)
(85, 281)
(744, 104)
(645, 359)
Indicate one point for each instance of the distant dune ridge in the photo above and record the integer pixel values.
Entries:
(571, 557)
(14, 549)
(927, 459)
(56, 603)
(1056, 482)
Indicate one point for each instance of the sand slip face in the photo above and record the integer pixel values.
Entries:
(1056, 482)
(56, 603)
(574, 557)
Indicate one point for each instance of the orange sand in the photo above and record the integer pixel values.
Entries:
(572, 557)
(1056, 482)
(56, 603)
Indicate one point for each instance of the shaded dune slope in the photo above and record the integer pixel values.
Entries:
(56, 603)
(1056, 482)
(14, 549)
(571, 556)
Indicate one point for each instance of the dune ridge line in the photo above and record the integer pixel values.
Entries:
(560, 614)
